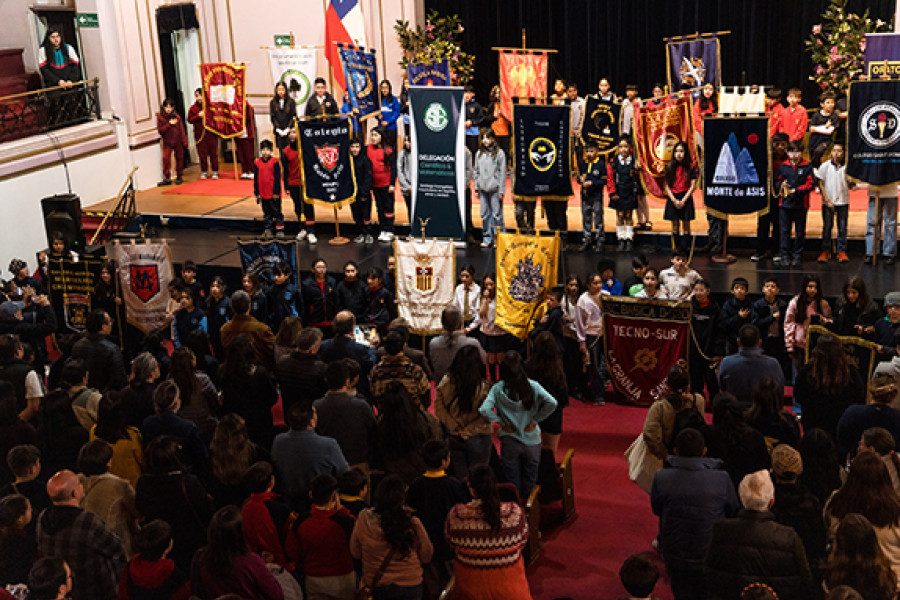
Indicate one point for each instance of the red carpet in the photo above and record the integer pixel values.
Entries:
(581, 560)
(225, 185)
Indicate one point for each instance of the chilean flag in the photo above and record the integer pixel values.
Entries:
(344, 24)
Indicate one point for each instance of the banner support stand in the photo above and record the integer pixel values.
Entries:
(337, 240)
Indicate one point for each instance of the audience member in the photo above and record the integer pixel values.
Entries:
(268, 520)
(248, 390)
(346, 418)
(151, 573)
(739, 373)
(344, 345)
(103, 359)
(106, 495)
(301, 374)
(261, 337)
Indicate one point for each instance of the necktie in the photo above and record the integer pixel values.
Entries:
(466, 309)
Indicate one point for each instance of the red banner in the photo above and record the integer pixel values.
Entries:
(522, 76)
(642, 340)
(657, 128)
(223, 98)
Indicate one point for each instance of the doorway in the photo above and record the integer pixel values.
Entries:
(179, 50)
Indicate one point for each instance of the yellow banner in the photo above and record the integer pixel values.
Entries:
(526, 271)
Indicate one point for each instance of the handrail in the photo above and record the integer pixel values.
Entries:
(95, 80)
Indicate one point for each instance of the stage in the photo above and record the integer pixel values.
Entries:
(202, 219)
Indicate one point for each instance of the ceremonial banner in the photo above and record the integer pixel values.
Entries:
(426, 280)
(601, 123)
(325, 162)
(296, 68)
(361, 74)
(344, 24)
(882, 52)
(70, 287)
(526, 271)
(862, 353)
(145, 271)
(745, 100)
(522, 75)
(873, 132)
(642, 339)
(736, 165)
(223, 98)
(657, 128)
(438, 154)
(541, 151)
(694, 64)
(261, 258)
(436, 73)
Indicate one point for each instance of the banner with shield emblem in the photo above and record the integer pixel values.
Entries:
(873, 132)
(70, 286)
(361, 74)
(425, 282)
(325, 162)
(145, 271)
(657, 128)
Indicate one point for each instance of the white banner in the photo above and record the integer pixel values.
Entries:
(425, 282)
(145, 271)
(296, 67)
(745, 100)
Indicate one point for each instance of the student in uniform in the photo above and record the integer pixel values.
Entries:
(681, 181)
(267, 189)
(382, 158)
(795, 180)
(282, 112)
(293, 182)
(592, 179)
(362, 208)
(390, 112)
(174, 139)
(622, 176)
(206, 142)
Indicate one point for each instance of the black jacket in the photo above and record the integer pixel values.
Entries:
(754, 547)
(352, 296)
(315, 108)
(301, 378)
(103, 359)
(761, 316)
(319, 304)
(708, 331)
(732, 321)
(362, 166)
(282, 118)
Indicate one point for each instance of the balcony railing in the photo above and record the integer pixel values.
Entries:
(40, 111)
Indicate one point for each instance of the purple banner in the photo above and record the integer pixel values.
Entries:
(882, 55)
(694, 64)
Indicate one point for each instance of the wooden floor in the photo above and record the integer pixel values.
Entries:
(155, 202)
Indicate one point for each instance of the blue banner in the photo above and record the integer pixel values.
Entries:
(736, 165)
(361, 74)
(261, 257)
(882, 55)
(694, 64)
(873, 132)
(436, 73)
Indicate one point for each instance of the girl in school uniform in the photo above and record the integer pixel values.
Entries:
(493, 338)
(622, 185)
(681, 180)
(259, 304)
(651, 286)
(467, 297)
(382, 158)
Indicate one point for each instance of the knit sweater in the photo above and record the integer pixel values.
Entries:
(480, 547)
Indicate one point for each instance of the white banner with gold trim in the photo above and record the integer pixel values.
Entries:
(425, 282)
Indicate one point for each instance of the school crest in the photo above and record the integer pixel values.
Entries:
(328, 156)
(526, 285)
(144, 281)
(75, 310)
(543, 154)
(424, 278)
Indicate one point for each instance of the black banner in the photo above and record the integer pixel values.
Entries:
(542, 154)
(873, 132)
(325, 163)
(736, 165)
(70, 288)
(261, 258)
(601, 123)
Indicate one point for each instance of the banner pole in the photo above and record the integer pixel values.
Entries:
(234, 160)
(337, 240)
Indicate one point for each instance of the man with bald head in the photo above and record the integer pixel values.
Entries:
(95, 554)
(344, 345)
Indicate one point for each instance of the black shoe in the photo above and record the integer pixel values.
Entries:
(889, 260)
(179, 181)
(164, 182)
(797, 262)
(867, 260)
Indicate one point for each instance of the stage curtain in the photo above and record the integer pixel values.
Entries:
(623, 39)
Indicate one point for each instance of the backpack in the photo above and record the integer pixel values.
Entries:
(687, 418)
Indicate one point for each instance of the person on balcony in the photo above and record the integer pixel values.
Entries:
(58, 61)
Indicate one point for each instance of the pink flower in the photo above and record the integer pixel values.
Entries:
(429, 27)
(817, 29)
(833, 50)
(818, 42)
(862, 45)
(461, 27)
(819, 70)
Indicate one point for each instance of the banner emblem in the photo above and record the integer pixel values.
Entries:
(543, 154)
(144, 281)
(328, 156)
(297, 85)
(528, 282)
(76, 309)
(646, 360)
(424, 278)
(436, 117)
(692, 71)
(879, 124)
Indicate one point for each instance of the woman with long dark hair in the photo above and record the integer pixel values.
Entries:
(126, 442)
(319, 298)
(827, 385)
(809, 307)
(390, 112)
(822, 471)
(857, 560)
(231, 453)
(392, 544)
(659, 424)
(60, 434)
(545, 365)
(58, 61)
(518, 404)
(459, 396)
(225, 566)
(767, 415)
(169, 492)
(856, 312)
(248, 390)
(199, 397)
(868, 491)
(742, 448)
(282, 112)
(402, 430)
(487, 526)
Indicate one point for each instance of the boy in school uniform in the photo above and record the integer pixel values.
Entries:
(768, 231)
(835, 191)
(679, 279)
(794, 120)
(767, 313)
(707, 345)
(795, 181)
(379, 301)
(822, 126)
(267, 189)
(736, 313)
(607, 270)
(592, 180)
(774, 110)
(293, 182)
(552, 320)
(282, 297)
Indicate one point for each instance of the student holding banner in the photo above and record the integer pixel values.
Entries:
(282, 112)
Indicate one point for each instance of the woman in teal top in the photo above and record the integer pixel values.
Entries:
(518, 404)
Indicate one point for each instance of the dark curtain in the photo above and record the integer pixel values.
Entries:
(170, 19)
(622, 40)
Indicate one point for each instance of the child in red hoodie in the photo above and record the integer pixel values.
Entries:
(171, 129)
(150, 574)
(268, 520)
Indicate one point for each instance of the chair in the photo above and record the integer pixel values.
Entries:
(567, 482)
(533, 514)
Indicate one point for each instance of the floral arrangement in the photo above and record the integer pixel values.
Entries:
(837, 45)
(439, 39)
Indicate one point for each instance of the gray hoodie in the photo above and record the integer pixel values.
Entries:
(490, 172)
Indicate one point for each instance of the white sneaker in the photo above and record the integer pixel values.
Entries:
(381, 237)
(301, 236)
(485, 244)
(312, 239)
(202, 175)
(369, 240)
(215, 175)
(359, 239)
(388, 237)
